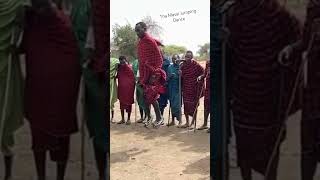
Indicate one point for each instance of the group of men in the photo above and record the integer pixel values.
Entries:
(59, 46)
(268, 51)
(158, 81)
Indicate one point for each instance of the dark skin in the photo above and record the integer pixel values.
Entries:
(141, 32)
(189, 57)
(206, 112)
(175, 60)
(124, 61)
(45, 9)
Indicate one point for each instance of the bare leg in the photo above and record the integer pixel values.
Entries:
(194, 118)
(205, 123)
(40, 161)
(187, 122)
(61, 170)
(122, 117)
(101, 162)
(8, 161)
(141, 116)
(129, 121)
(245, 171)
(159, 119)
(112, 116)
(172, 122)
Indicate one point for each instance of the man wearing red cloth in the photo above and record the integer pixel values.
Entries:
(126, 85)
(52, 84)
(191, 87)
(152, 77)
(206, 76)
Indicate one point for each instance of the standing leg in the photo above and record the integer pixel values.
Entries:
(40, 161)
(61, 170)
(159, 119)
(122, 117)
(205, 123)
(274, 168)
(112, 115)
(245, 171)
(194, 117)
(141, 115)
(61, 156)
(8, 161)
(149, 117)
(308, 145)
(129, 114)
(101, 161)
(187, 122)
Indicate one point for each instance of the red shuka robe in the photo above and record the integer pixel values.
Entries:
(126, 85)
(100, 26)
(53, 74)
(190, 87)
(207, 90)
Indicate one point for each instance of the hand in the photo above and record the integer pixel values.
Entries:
(304, 55)
(284, 55)
(199, 78)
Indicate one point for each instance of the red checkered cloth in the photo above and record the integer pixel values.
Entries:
(155, 86)
(207, 90)
(149, 56)
(100, 25)
(190, 87)
(126, 85)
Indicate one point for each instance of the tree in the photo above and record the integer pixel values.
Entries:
(124, 41)
(171, 50)
(204, 51)
(153, 27)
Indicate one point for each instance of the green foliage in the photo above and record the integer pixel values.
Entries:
(170, 50)
(124, 41)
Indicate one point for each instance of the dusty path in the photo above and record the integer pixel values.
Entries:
(138, 153)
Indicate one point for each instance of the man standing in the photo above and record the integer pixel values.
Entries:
(11, 83)
(93, 60)
(163, 100)
(191, 87)
(256, 85)
(206, 76)
(52, 84)
(310, 126)
(140, 101)
(126, 84)
(114, 63)
(152, 77)
(174, 89)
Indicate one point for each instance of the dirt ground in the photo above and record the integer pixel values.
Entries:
(138, 153)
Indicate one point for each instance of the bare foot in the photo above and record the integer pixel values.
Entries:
(121, 122)
(172, 123)
(140, 120)
(185, 126)
(203, 127)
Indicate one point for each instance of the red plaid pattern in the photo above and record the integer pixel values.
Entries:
(190, 87)
(149, 56)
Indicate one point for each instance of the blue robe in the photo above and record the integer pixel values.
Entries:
(174, 93)
(163, 100)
